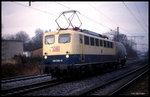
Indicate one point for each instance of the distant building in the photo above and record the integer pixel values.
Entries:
(26, 53)
(10, 48)
(36, 52)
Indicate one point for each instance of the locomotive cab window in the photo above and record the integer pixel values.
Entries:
(64, 38)
(49, 39)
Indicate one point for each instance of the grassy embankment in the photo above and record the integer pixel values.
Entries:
(20, 66)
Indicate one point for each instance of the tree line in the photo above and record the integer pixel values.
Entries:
(36, 41)
(131, 52)
(29, 44)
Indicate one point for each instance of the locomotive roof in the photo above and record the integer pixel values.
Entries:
(83, 31)
(91, 33)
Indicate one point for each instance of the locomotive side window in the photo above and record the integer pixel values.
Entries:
(104, 43)
(86, 40)
(49, 39)
(81, 41)
(97, 42)
(101, 43)
(64, 38)
(111, 44)
(108, 44)
(92, 41)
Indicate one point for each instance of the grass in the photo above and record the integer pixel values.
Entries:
(25, 66)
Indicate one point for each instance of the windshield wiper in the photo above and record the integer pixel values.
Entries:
(66, 41)
(48, 42)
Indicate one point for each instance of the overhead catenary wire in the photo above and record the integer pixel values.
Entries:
(70, 8)
(100, 12)
(36, 9)
(106, 16)
(85, 16)
(45, 11)
(140, 15)
(92, 19)
(134, 17)
(62, 5)
(95, 21)
(56, 15)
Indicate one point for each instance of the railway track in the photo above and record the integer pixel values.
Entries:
(114, 86)
(24, 77)
(29, 88)
(128, 83)
(17, 90)
(39, 85)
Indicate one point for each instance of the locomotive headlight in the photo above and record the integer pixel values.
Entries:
(67, 56)
(45, 57)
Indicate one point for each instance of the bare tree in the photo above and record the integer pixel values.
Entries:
(127, 43)
(23, 36)
(35, 42)
(10, 37)
(38, 38)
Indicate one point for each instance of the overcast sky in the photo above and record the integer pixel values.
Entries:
(101, 17)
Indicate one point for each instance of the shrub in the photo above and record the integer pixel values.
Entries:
(24, 66)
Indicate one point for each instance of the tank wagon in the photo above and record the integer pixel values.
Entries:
(68, 51)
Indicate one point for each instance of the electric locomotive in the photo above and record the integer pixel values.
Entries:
(73, 49)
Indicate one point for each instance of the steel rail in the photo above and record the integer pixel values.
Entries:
(24, 77)
(109, 81)
(127, 84)
(29, 88)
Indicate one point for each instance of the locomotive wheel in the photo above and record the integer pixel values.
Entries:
(75, 73)
(116, 66)
(122, 63)
(46, 70)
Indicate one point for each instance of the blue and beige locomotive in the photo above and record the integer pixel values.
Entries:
(71, 50)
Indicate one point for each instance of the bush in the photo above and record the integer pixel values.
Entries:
(25, 59)
(24, 66)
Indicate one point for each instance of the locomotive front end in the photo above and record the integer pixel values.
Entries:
(57, 50)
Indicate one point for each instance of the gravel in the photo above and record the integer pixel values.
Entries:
(140, 87)
(21, 83)
(113, 86)
(79, 86)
